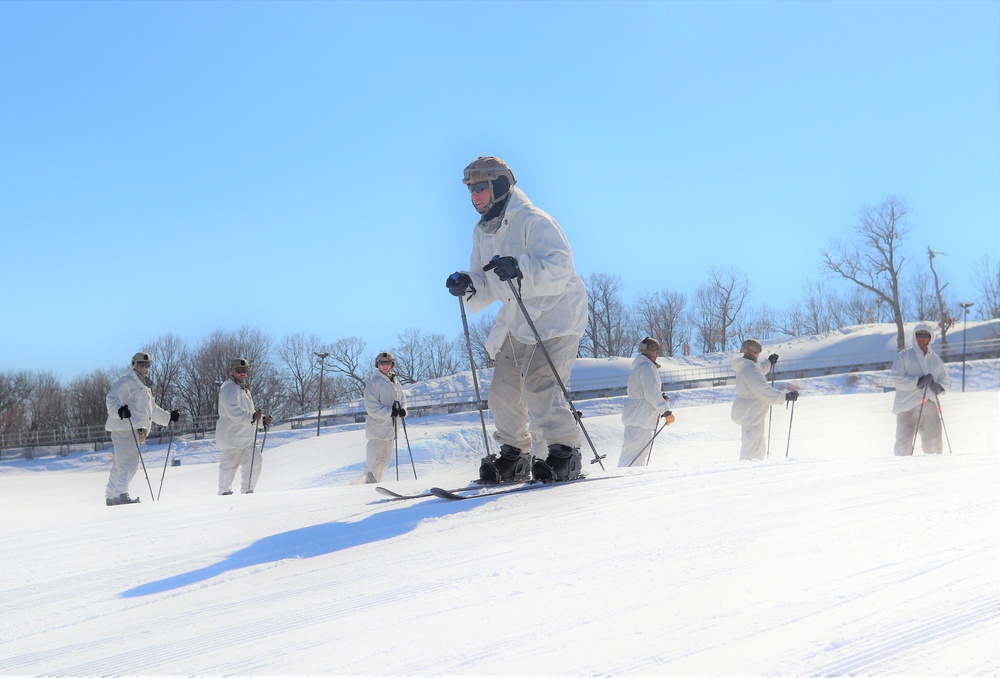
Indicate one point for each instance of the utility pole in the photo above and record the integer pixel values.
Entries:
(965, 305)
(322, 355)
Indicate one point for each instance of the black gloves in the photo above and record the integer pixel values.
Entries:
(460, 283)
(791, 396)
(398, 410)
(667, 414)
(174, 415)
(925, 381)
(124, 412)
(773, 358)
(256, 416)
(505, 267)
(937, 388)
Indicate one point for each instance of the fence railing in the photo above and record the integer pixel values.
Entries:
(458, 401)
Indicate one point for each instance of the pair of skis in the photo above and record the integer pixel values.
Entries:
(477, 490)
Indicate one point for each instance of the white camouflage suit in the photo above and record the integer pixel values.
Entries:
(134, 391)
(235, 432)
(911, 364)
(555, 298)
(380, 392)
(753, 398)
(643, 409)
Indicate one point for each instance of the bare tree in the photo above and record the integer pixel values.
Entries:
(479, 332)
(873, 261)
(298, 370)
(758, 323)
(347, 358)
(813, 315)
(918, 297)
(15, 387)
(46, 403)
(610, 329)
(718, 306)
(987, 278)
(169, 353)
(86, 397)
(945, 318)
(661, 315)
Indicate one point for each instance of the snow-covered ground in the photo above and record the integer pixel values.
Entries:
(839, 559)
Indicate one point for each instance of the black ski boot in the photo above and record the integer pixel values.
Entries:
(563, 463)
(122, 498)
(512, 465)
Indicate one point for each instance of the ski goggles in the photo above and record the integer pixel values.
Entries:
(479, 186)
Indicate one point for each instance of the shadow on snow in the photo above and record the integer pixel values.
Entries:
(308, 542)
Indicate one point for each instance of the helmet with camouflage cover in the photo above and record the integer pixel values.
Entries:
(495, 173)
(751, 345)
(383, 356)
(649, 345)
(141, 357)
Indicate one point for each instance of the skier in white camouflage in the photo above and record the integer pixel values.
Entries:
(753, 398)
(515, 242)
(920, 377)
(645, 406)
(385, 406)
(131, 412)
(236, 431)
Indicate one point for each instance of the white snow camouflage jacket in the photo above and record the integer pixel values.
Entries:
(236, 427)
(753, 394)
(380, 392)
(132, 391)
(645, 403)
(553, 294)
(911, 364)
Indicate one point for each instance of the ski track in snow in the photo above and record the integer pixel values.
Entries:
(840, 560)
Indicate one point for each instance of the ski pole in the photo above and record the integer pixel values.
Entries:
(770, 412)
(139, 450)
(790, 418)
(945, 428)
(916, 429)
(395, 441)
(656, 432)
(475, 378)
(407, 437)
(576, 413)
(253, 453)
(165, 460)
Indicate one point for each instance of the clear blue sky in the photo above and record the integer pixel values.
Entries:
(187, 167)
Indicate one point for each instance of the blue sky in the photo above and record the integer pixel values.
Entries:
(188, 167)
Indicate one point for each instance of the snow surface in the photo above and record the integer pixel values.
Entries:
(840, 559)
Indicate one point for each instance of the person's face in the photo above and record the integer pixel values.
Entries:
(752, 354)
(480, 195)
(241, 373)
(142, 367)
(923, 341)
(384, 366)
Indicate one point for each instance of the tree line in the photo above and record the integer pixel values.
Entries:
(285, 374)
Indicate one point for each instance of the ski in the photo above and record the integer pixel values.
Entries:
(454, 495)
(396, 496)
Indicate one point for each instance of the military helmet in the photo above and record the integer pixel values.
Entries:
(751, 345)
(141, 357)
(385, 355)
(494, 172)
(238, 362)
(649, 345)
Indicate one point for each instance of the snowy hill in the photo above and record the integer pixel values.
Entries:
(839, 559)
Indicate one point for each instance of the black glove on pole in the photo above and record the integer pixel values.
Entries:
(506, 268)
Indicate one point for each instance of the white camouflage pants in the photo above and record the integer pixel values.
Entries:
(753, 441)
(523, 385)
(124, 465)
(378, 454)
(635, 447)
(240, 458)
(930, 430)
